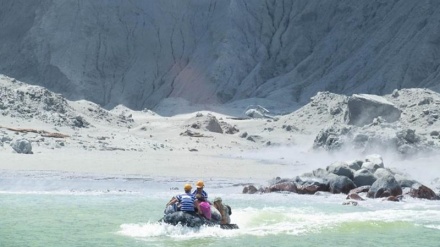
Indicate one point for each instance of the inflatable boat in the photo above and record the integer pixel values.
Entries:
(174, 217)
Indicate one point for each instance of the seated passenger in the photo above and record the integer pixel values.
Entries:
(203, 207)
(186, 201)
(223, 209)
(200, 185)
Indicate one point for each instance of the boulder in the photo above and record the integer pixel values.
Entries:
(22, 146)
(370, 166)
(360, 189)
(373, 162)
(364, 108)
(375, 159)
(341, 169)
(355, 196)
(403, 181)
(421, 191)
(250, 189)
(311, 185)
(283, 186)
(310, 189)
(355, 164)
(320, 173)
(354, 193)
(340, 184)
(384, 187)
(382, 172)
(363, 177)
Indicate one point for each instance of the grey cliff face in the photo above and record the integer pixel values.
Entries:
(138, 52)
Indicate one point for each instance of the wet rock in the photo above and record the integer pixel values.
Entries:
(363, 177)
(340, 184)
(360, 189)
(250, 189)
(307, 189)
(352, 203)
(384, 187)
(423, 192)
(341, 169)
(284, 186)
(393, 198)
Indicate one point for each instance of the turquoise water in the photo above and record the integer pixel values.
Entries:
(70, 210)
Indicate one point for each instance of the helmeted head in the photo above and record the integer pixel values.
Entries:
(200, 184)
(200, 197)
(218, 199)
(187, 187)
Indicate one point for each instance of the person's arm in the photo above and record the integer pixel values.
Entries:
(222, 213)
(172, 201)
(197, 205)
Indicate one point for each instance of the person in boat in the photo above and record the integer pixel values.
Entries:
(199, 190)
(203, 207)
(224, 211)
(186, 201)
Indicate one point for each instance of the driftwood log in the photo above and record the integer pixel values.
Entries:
(41, 132)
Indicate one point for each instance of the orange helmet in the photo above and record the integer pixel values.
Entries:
(187, 187)
(200, 184)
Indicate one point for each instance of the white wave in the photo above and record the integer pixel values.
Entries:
(437, 227)
(149, 231)
(294, 220)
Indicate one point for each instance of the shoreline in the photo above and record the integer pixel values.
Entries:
(161, 164)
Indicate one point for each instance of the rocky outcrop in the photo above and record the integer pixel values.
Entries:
(382, 184)
(205, 122)
(24, 101)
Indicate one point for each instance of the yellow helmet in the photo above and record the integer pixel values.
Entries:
(187, 187)
(200, 184)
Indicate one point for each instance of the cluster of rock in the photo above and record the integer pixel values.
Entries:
(370, 123)
(368, 176)
(209, 123)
